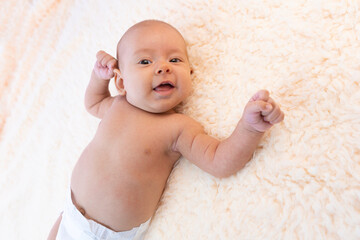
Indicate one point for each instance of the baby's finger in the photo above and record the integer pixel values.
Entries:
(100, 55)
(112, 63)
(271, 101)
(106, 59)
(274, 114)
(100, 59)
(278, 119)
(259, 107)
(261, 95)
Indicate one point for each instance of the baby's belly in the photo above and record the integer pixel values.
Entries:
(114, 193)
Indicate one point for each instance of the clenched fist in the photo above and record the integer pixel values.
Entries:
(105, 65)
(261, 112)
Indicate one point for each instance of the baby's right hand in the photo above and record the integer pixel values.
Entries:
(105, 65)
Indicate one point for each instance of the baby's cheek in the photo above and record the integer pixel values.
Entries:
(188, 91)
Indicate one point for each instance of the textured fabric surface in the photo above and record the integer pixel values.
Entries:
(304, 179)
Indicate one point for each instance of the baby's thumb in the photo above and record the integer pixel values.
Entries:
(259, 107)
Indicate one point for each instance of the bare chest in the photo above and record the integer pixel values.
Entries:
(138, 139)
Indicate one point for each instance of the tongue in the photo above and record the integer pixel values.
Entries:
(164, 87)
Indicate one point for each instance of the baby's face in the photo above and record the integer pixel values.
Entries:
(154, 67)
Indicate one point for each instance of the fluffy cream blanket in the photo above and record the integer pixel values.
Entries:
(304, 179)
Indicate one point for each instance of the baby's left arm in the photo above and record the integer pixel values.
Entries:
(224, 158)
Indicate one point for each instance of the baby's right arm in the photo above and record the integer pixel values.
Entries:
(97, 96)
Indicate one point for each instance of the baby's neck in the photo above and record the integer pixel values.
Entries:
(170, 111)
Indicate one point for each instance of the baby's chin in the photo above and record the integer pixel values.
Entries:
(153, 105)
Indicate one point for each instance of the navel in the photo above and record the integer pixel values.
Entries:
(82, 211)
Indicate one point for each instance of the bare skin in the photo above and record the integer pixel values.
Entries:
(54, 229)
(120, 176)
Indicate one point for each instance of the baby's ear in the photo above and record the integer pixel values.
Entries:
(119, 82)
(191, 70)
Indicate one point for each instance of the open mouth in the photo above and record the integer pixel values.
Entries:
(164, 86)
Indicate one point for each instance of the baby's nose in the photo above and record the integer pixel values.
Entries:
(163, 68)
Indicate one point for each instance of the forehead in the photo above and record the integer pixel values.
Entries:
(151, 36)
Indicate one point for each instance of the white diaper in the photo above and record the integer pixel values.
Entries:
(74, 226)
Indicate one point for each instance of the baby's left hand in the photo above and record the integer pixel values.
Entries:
(261, 112)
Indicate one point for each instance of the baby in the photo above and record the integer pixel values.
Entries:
(118, 181)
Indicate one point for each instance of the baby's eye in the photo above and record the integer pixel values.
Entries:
(145, 62)
(175, 60)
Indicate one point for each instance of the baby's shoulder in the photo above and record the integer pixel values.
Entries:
(184, 122)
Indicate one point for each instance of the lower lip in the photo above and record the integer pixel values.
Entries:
(164, 92)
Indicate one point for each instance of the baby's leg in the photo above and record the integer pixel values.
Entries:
(54, 229)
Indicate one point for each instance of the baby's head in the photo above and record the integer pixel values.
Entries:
(153, 67)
